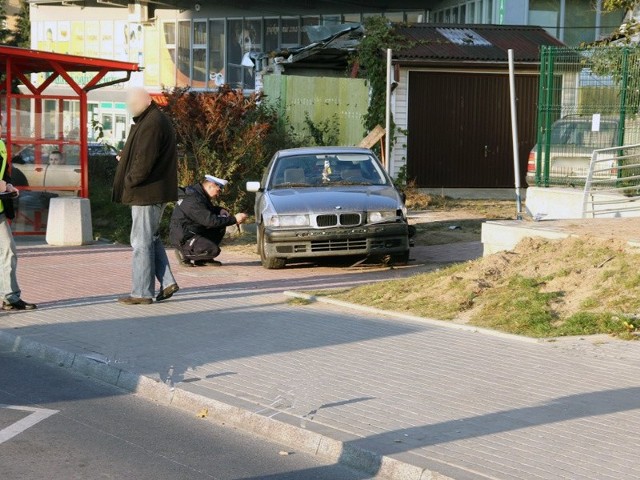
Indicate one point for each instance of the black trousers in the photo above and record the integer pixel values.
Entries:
(205, 246)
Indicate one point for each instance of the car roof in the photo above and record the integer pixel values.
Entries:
(322, 151)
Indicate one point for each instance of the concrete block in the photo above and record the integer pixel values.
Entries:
(69, 222)
(556, 203)
(499, 236)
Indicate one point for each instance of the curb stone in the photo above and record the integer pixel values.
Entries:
(411, 318)
(262, 423)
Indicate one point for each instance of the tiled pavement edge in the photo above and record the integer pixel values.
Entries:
(418, 396)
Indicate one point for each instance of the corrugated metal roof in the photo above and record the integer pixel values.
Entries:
(475, 43)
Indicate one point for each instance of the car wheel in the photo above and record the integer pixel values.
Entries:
(268, 262)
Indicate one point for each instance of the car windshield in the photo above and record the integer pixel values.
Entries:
(324, 170)
(580, 134)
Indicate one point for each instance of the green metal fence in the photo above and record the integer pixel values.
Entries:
(342, 100)
(589, 98)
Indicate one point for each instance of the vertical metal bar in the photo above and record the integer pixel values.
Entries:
(514, 132)
(623, 98)
(388, 132)
(548, 121)
(598, 19)
(60, 122)
(542, 105)
(563, 14)
(587, 185)
(84, 150)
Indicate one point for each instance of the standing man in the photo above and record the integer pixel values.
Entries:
(147, 179)
(198, 226)
(9, 288)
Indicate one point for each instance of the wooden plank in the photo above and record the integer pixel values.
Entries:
(374, 137)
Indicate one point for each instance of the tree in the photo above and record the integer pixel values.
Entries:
(6, 35)
(22, 33)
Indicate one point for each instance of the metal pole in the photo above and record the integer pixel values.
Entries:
(388, 132)
(542, 104)
(624, 90)
(514, 132)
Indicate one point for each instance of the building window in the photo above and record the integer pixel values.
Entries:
(415, 17)
(216, 53)
(331, 19)
(271, 34)
(199, 54)
(290, 32)
(308, 22)
(352, 18)
(184, 53)
(545, 13)
(245, 37)
(395, 17)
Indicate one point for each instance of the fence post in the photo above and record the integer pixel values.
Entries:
(542, 101)
(547, 126)
(623, 104)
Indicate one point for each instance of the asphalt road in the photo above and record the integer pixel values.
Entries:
(77, 428)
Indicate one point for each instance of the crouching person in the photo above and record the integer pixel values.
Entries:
(198, 226)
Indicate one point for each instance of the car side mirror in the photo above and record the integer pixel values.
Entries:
(254, 187)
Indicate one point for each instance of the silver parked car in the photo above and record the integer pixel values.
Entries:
(325, 202)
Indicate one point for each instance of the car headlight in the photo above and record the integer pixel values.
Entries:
(289, 221)
(383, 216)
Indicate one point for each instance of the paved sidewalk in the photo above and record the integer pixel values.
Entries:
(467, 405)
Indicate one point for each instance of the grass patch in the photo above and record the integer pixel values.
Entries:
(541, 289)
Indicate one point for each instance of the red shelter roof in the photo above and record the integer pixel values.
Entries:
(32, 61)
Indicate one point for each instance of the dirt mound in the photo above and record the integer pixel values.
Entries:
(543, 288)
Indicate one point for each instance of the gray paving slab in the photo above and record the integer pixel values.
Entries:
(462, 403)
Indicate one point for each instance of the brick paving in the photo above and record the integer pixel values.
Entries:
(469, 405)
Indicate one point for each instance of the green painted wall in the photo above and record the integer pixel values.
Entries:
(321, 97)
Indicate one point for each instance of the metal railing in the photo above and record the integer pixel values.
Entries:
(612, 186)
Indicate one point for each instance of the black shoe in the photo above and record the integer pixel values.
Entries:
(167, 293)
(134, 301)
(18, 305)
(212, 263)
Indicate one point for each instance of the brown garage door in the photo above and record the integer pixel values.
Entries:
(460, 129)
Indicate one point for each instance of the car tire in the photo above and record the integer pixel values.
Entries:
(268, 262)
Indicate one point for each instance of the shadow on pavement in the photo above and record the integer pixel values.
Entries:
(562, 409)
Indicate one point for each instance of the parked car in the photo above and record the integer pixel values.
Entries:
(572, 144)
(66, 175)
(325, 202)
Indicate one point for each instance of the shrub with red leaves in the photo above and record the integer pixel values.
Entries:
(223, 133)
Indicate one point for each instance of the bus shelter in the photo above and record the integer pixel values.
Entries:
(46, 133)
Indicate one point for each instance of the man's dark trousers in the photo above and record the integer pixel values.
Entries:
(204, 247)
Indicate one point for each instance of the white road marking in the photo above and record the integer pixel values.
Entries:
(37, 415)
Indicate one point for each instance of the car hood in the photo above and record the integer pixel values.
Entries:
(327, 199)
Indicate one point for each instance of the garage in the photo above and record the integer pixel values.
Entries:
(452, 104)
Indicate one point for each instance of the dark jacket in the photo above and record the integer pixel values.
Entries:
(194, 215)
(148, 172)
